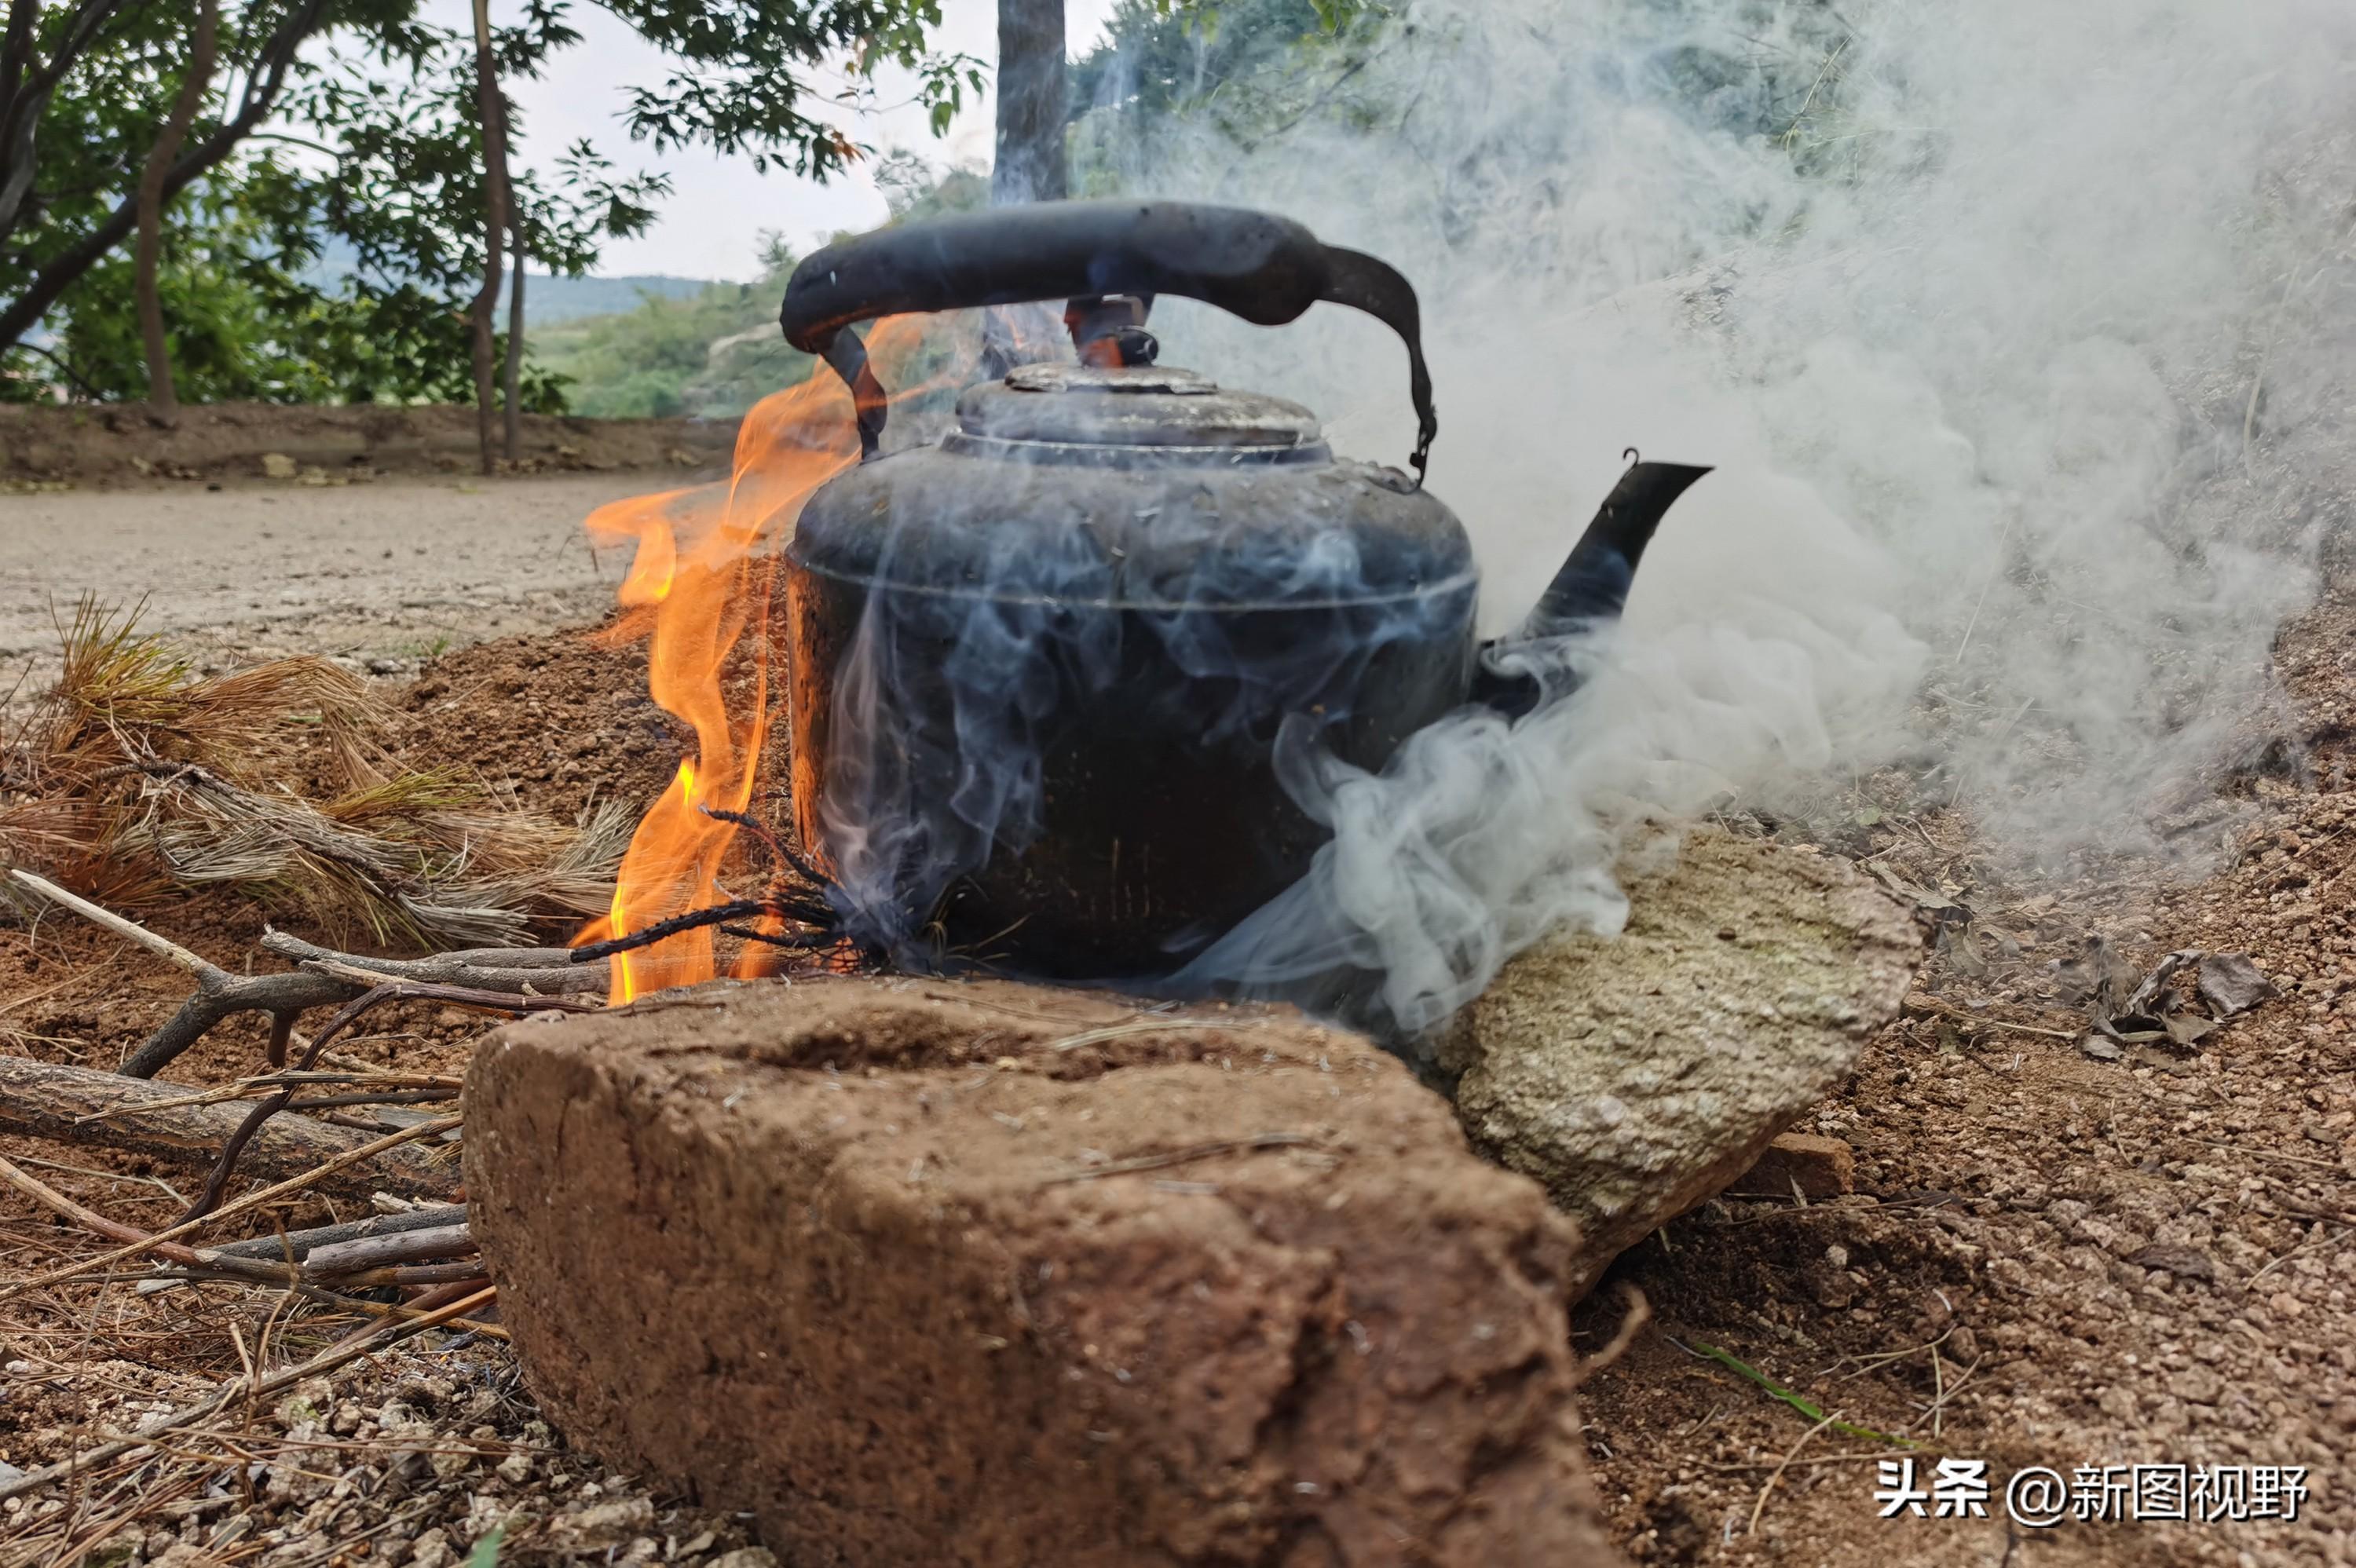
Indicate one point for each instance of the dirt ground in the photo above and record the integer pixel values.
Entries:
(380, 545)
(384, 575)
(2052, 1260)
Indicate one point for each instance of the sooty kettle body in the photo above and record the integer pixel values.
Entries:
(1047, 676)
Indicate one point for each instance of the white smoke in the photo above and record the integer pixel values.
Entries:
(2021, 338)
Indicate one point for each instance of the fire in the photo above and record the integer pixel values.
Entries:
(700, 580)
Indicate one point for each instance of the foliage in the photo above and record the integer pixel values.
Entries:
(226, 340)
(914, 190)
(1246, 69)
(106, 71)
(736, 88)
(713, 355)
(389, 169)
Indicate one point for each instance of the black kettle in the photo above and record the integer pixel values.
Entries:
(1046, 674)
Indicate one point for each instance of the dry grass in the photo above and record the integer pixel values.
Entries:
(135, 777)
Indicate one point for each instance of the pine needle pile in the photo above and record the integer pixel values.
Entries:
(135, 776)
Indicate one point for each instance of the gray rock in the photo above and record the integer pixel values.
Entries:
(1635, 1076)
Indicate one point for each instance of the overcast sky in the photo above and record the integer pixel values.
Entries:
(708, 227)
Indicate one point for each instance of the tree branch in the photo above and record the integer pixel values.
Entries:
(27, 97)
(62, 270)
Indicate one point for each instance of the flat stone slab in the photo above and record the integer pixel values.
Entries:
(925, 1271)
(1639, 1075)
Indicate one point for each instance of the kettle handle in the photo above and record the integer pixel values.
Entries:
(1265, 269)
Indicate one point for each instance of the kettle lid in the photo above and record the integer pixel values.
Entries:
(1160, 408)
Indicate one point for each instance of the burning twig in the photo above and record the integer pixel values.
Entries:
(781, 854)
(799, 942)
(795, 895)
(800, 911)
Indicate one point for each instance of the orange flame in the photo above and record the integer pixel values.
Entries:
(700, 577)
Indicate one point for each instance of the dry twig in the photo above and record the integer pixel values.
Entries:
(251, 1201)
(1776, 1474)
(81, 1106)
(220, 994)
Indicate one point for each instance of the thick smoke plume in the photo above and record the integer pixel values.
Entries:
(2021, 334)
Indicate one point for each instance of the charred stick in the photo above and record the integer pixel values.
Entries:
(299, 1243)
(364, 1252)
(800, 911)
(800, 941)
(762, 834)
(781, 854)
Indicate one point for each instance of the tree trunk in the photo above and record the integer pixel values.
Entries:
(1030, 162)
(485, 309)
(1030, 89)
(162, 396)
(513, 378)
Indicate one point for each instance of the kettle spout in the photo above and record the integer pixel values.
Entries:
(1593, 583)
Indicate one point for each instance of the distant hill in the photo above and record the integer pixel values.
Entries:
(548, 299)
